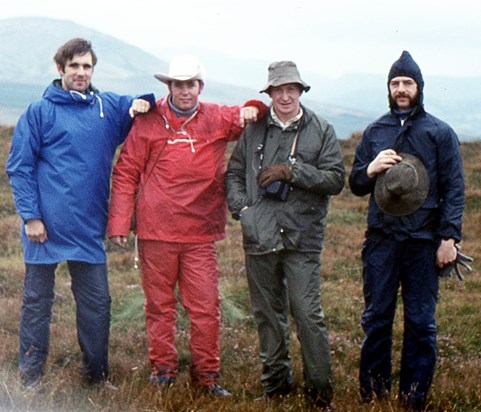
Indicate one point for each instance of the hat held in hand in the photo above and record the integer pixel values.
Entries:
(402, 188)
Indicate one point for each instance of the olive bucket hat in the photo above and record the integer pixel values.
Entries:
(283, 72)
(402, 188)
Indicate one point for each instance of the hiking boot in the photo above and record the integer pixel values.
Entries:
(217, 391)
(283, 391)
(272, 396)
(107, 385)
(30, 383)
(101, 384)
(33, 386)
(163, 381)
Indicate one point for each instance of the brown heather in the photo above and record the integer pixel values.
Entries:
(456, 385)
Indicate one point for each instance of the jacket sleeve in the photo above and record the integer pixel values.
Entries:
(149, 97)
(235, 178)
(231, 117)
(327, 177)
(21, 164)
(125, 102)
(359, 182)
(450, 186)
(125, 180)
(261, 106)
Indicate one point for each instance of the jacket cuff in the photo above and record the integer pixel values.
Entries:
(119, 227)
(150, 97)
(261, 106)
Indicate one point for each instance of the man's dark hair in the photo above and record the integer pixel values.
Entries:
(71, 48)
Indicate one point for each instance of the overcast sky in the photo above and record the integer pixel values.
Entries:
(332, 37)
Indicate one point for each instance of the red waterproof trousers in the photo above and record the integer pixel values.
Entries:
(193, 266)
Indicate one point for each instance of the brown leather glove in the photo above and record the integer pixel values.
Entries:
(272, 173)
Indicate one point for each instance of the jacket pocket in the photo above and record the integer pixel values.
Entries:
(249, 226)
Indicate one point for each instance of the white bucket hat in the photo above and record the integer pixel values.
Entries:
(182, 68)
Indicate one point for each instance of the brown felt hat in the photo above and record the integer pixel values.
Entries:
(403, 188)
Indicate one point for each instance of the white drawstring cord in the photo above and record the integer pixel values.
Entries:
(101, 105)
(182, 132)
(136, 253)
(75, 93)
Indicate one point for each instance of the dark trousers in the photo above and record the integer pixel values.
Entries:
(388, 264)
(91, 292)
(279, 282)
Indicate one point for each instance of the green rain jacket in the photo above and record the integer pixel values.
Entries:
(297, 223)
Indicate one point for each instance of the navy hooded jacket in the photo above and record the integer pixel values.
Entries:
(436, 145)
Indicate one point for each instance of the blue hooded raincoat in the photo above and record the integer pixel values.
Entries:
(59, 168)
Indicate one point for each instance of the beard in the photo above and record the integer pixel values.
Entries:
(393, 104)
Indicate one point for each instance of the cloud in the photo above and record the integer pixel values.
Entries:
(330, 37)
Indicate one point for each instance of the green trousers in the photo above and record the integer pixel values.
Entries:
(278, 283)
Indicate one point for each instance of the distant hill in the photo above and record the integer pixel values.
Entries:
(454, 100)
(349, 103)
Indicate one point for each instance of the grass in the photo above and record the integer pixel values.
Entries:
(456, 382)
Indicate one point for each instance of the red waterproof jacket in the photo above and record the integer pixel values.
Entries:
(172, 170)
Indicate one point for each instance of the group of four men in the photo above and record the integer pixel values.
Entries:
(285, 166)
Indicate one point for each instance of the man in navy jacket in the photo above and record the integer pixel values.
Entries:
(406, 241)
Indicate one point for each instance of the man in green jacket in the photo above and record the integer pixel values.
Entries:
(278, 182)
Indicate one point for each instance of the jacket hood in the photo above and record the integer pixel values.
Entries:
(406, 66)
(56, 94)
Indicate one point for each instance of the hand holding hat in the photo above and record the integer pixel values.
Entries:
(403, 188)
(383, 161)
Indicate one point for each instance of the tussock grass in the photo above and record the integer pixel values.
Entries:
(456, 382)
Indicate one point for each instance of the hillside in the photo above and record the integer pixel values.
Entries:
(349, 102)
(121, 67)
(455, 387)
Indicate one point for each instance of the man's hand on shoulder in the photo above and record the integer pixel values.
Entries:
(248, 115)
(139, 106)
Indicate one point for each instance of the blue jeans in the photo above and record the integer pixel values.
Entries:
(91, 292)
(387, 265)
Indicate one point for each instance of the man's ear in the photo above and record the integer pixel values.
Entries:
(60, 69)
(201, 86)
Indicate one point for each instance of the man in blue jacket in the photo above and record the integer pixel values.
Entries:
(59, 168)
(410, 163)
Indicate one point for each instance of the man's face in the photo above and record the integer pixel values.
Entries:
(77, 73)
(185, 94)
(404, 92)
(285, 100)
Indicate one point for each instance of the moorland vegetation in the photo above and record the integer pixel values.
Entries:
(456, 385)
